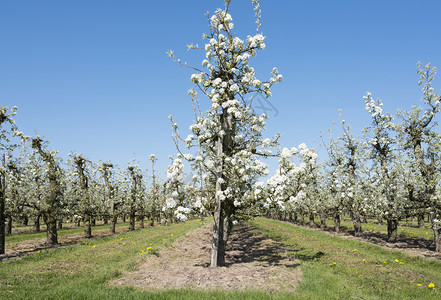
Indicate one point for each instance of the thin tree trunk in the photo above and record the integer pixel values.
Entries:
(337, 222)
(2, 218)
(113, 224)
(2, 208)
(37, 224)
(105, 221)
(218, 247)
(9, 225)
(141, 222)
(357, 224)
(421, 221)
(217, 244)
(322, 220)
(60, 223)
(87, 227)
(311, 219)
(132, 222)
(437, 232)
(392, 230)
(380, 219)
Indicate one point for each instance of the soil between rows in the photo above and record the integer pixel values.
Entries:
(252, 262)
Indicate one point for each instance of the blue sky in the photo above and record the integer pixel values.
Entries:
(93, 76)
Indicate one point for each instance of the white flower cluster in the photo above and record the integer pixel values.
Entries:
(371, 106)
(182, 212)
(175, 172)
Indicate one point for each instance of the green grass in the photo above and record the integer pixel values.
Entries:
(403, 231)
(82, 271)
(369, 272)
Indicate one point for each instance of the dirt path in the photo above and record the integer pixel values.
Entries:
(253, 262)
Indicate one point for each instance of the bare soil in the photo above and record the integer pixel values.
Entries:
(252, 262)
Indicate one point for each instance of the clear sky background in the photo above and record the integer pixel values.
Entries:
(93, 76)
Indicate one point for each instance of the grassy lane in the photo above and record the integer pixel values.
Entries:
(25, 236)
(333, 268)
(82, 271)
(403, 231)
(337, 268)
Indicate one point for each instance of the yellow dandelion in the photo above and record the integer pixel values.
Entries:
(38, 251)
(124, 244)
(355, 250)
(431, 285)
(419, 284)
(396, 260)
(401, 263)
(334, 263)
(93, 246)
(364, 259)
(171, 234)
(384, 262)
(148, 248)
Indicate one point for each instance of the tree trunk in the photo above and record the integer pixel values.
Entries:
(113, 224)
(93, 221)
(79, 223)
(60, 223)
(9, 225)
(132, 222)
(311, 219)
(392, 230)
(437, 232)
(421, 221)
(105, 221)
(51, 232)
(357, 224)
(87, 227)
(124, 218)
(141, 222)
(217, 245)
(296, 217)
(37, 224)
(322, 220)
(337, 223)
(380, 219)
(2, 217)
(25, 221)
